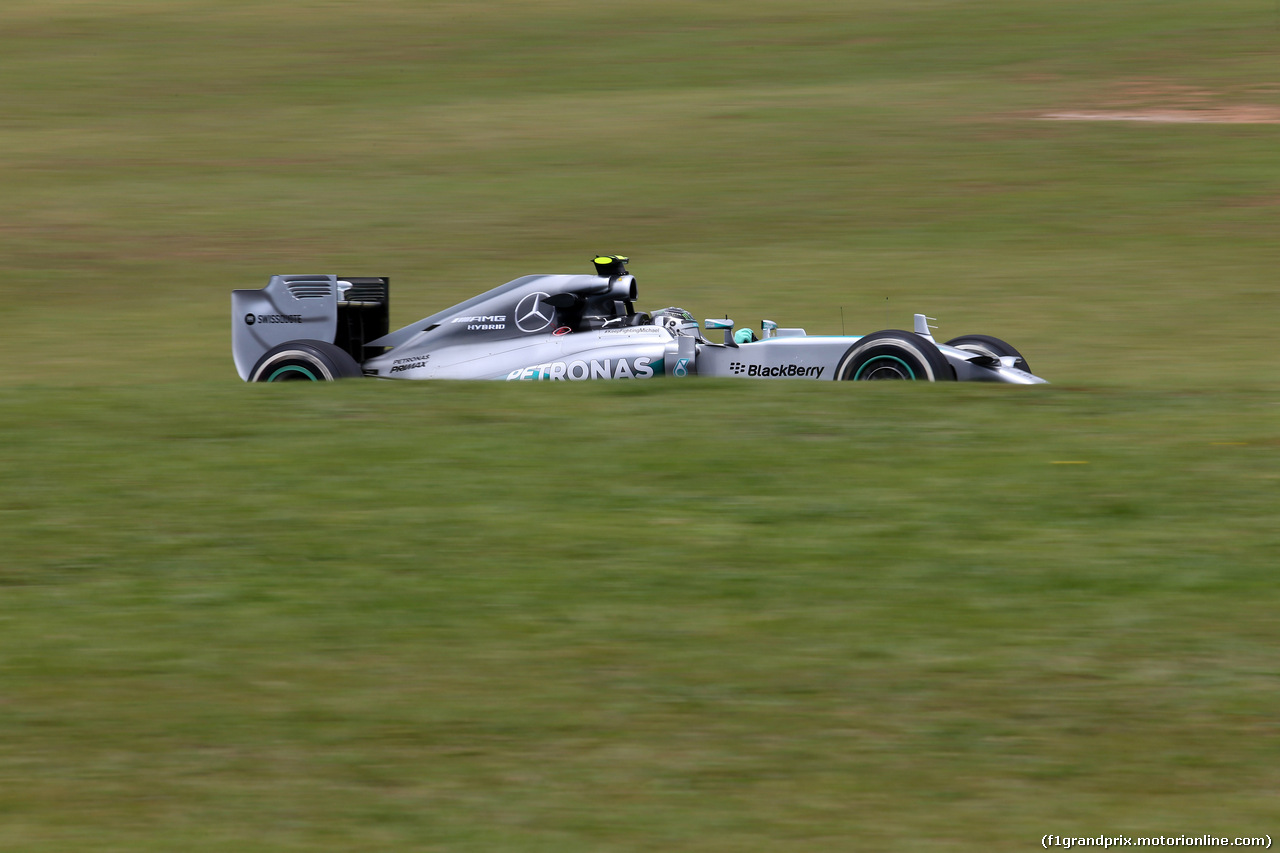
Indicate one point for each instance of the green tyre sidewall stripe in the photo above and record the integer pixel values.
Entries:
(857, 376)
(293, 368)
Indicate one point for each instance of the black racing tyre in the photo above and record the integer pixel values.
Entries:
(894, 354)
(987, 345)
(305, 361)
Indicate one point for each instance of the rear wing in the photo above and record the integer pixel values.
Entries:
(347, 311)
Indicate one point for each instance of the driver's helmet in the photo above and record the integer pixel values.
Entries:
(677, 321)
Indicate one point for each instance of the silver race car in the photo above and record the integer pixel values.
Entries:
(568, 327)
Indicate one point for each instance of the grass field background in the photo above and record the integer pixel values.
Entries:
(708, 615)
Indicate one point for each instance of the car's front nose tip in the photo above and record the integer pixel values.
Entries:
(1014, 376)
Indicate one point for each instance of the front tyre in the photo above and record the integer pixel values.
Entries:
(989, 346)
(894, 354)
(305, 361)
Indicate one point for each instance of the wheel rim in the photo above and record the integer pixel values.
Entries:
(884, 367)
(292, 373)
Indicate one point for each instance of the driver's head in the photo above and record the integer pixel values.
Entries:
(677, 321)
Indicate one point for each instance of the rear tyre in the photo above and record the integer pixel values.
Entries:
(989, 346)
(894, 354)
(305, 361)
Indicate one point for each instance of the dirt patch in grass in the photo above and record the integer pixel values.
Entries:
(1214, 115)
(1171, 103)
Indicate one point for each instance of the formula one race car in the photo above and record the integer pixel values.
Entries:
(568, 327)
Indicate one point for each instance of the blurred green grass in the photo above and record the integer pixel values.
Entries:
(439, 616)
(710, 615)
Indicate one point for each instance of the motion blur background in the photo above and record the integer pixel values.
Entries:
(641, 616)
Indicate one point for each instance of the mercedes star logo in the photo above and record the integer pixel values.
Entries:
(532, 315)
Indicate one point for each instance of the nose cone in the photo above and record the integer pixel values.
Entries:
(1014, 376)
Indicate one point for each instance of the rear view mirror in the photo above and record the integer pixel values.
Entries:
(725, 324)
